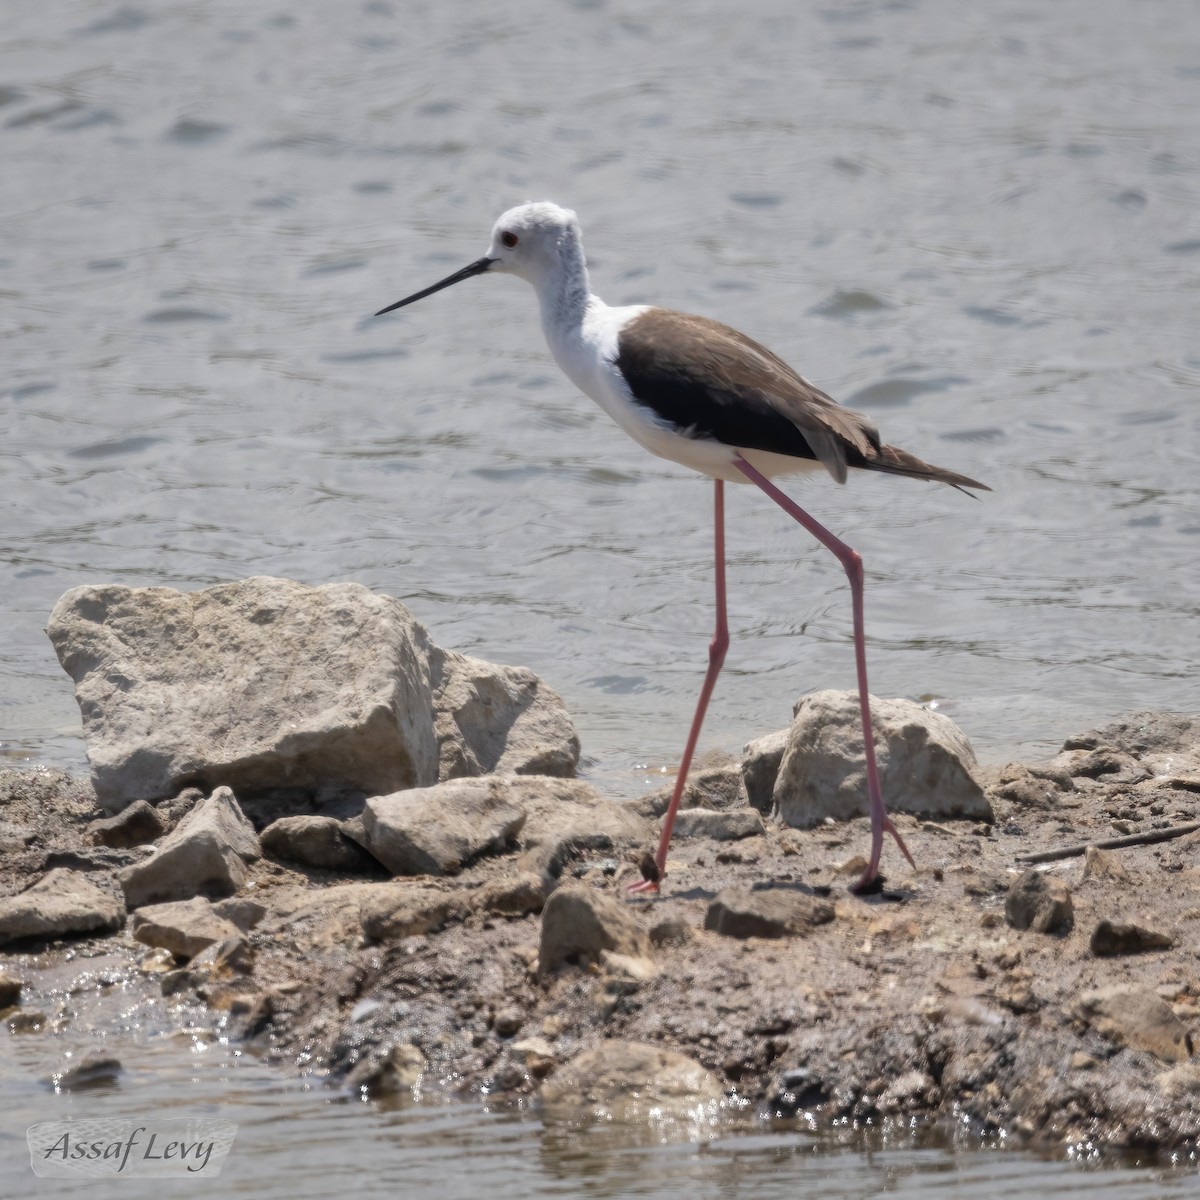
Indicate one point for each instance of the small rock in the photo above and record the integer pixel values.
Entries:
(133, 826)
(511, 896)
(157, 962)
(1112, 765)
(1020, 786)
(314, 841)
(61, 902)
(717, 825)
(400, 1070)
(27, 1020)
(1103, 864)
(926, 764)
(912, 1087)
(744, 912)
(629, 1083)
(579, 922)
(760, 768)
(205, 854)
(566, 818)
(241, 911)
(508, 1021)
(400, 912)
(1039, 902)
(184, 927)
(1111, 938)
(10, 990)
(92, 1069)
(669, 931)
(537, 1055)
(625, 973)
(437, 830)
(1137, 1018)
(1181, 1081)
(716, 787)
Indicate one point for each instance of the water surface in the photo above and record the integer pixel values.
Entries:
(977, 223)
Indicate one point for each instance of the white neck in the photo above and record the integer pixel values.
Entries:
(564, 291)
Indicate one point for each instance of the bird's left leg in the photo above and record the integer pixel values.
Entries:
(852, 564)
(716, 656)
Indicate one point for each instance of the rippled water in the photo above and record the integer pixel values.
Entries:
(977, 223)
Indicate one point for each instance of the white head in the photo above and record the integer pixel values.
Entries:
(539, 242)
(533, 240)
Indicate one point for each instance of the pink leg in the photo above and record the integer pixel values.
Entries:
(716, 656)
(852, 564)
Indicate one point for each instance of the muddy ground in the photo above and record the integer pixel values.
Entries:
(919, 1006)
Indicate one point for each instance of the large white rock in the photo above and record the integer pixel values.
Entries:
(258, 684)
(266, 684)
(926, 764)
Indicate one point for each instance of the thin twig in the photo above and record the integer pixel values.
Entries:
(1134, 839)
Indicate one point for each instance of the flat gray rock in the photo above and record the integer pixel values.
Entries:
(257, 684)
(926, 764)
(205, 854)
(744, 912)
(436, 830)
(718, 825)
(184, 927)
(61, 902)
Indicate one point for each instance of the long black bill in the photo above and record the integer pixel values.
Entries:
(476, 268)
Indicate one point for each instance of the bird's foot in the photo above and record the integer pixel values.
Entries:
(871, 884)
(652, 875)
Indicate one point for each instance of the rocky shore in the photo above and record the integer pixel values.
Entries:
(369, 856)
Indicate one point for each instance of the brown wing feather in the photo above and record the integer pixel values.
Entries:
(732, 368)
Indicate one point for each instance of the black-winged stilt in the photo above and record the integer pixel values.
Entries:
(702, 394)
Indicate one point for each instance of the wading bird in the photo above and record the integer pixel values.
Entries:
(702, 394)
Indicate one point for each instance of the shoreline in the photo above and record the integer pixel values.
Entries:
(921, 1005)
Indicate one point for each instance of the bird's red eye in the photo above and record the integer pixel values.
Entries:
(509, 239)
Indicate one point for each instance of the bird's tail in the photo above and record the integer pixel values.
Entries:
(893, 461)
